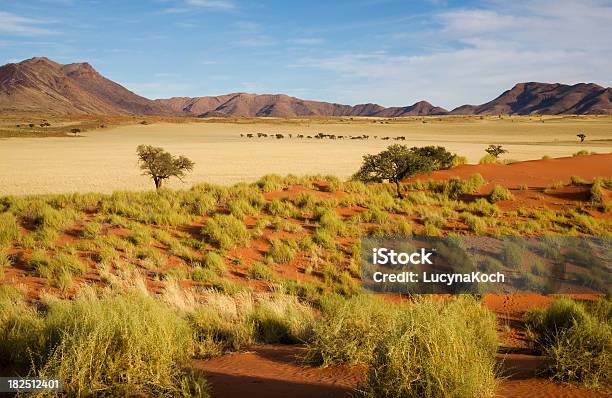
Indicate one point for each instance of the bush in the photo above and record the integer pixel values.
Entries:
(577, 339)
(436, 350)
(226, 231)
(500, 193)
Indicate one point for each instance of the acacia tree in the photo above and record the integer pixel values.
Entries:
(439, 156)
(393, 165)
(161, 165)
(582, 136)
(495, 150)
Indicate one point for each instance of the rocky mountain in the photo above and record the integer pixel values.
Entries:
(545, 99)
(44, 86)
(41, 85)
(280, 105)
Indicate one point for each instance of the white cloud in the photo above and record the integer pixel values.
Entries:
(481, 52)
(17, 25)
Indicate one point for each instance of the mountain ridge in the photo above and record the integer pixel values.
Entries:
(41, 85)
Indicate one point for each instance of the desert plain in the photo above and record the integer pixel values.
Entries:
(104, 159)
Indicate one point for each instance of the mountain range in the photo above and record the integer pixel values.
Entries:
(42, 85)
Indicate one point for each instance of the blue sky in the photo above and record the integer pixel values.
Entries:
(383, 51)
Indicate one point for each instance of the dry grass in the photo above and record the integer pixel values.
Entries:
(103, 160)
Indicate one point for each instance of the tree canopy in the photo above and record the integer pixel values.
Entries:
(398, 162)
(495, 150)
(161, 165)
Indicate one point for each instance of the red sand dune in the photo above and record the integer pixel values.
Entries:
(533, 173)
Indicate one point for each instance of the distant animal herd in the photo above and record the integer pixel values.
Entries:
(320, 136)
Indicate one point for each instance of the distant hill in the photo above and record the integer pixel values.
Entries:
(545, 99)
(42, 85)
(280, 105)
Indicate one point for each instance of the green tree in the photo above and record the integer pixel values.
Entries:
(440, 157)
(495, 150)
(161, 165)
(394, 164)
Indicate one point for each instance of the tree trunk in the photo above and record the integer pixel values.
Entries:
(158, 182)
(397, 187)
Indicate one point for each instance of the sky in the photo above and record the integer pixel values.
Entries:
(393, 53)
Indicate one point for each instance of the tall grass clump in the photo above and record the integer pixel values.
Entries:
(577, 340)
(281, 208)
(214, 262)
(488, 159)
(281, 319)
(436, 350)
(114, 345)
(597, 192)
(9, 231)
(282, 251)
(499, 193)
(348, 330)
(226, 231)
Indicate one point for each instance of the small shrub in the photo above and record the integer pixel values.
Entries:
(500, 193)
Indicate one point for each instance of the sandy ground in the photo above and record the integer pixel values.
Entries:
(271, 371)
(104, 160)
(534, 174)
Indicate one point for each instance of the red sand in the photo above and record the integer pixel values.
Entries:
(533, 173)
(271, 371)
